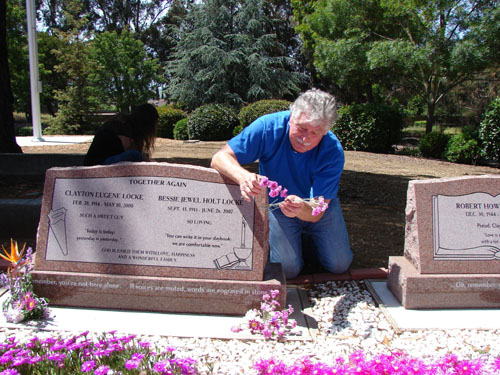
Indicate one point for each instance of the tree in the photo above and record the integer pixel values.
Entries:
(76, 103)
(154, 22)
(52, 80)
(121, 71)
(141, 17)
(136, 15)
(7, 137)
(162, 37)
(229, 54)
(17, 41)
(423, 47)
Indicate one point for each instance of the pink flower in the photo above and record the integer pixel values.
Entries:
(102, 370)
(284, 193)
(254, 325)
(496, 364)
(267, 333)
(264, 181)
(284, 316)
(273, 185)
(274, 193)
(131, 364)
(145, 344)
(137, 356)
(31, 304)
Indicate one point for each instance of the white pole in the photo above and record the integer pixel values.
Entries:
(36, 85)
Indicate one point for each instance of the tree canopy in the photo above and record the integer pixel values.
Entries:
(121, 72)
(229, 53)
(428, 47)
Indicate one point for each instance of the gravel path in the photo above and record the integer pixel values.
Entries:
(348, 321)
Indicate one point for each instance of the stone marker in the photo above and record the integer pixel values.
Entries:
(152, 236)
(453, 225)
(452, 244)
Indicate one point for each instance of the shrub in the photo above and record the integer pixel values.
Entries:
(461, 149)
(168, 118)
(181, 130)
(369, 127)
(252, 112)
(489, 131)
(24, 131)
(212, 122)
(433, 144)
(464, 147)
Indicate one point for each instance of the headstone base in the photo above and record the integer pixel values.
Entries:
(158, 294)
(441, 291)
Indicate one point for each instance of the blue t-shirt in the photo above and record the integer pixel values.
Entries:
(309, 174)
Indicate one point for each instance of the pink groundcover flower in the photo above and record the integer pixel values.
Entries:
(53, 355)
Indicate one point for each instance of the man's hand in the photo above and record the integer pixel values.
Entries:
(226, 163)
(250, 186)
(292, 206)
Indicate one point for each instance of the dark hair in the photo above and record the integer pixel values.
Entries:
(144, 120)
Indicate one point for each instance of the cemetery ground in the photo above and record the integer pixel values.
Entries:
(372, 190)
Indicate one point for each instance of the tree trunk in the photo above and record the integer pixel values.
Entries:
(7, 136)
(369, 93)
(431, 106)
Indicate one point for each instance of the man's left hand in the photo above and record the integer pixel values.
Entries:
(292, 206)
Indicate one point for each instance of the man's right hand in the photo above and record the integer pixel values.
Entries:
(250, 186)
(226, 163)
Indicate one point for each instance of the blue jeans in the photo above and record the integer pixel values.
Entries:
(329, 237)
(130, 155)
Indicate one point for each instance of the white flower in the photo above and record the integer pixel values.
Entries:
(252, 314)
(14, 315)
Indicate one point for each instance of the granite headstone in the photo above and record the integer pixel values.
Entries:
(152, 236)
(452, 244)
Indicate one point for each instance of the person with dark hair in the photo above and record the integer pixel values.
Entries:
(295, 149)
(125, 138)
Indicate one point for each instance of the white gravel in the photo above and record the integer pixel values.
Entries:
(348, 320)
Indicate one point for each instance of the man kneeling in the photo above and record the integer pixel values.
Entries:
(297, 150)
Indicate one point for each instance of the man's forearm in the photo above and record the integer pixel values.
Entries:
(227, 164)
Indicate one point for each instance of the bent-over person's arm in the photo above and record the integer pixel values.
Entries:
(226, 163)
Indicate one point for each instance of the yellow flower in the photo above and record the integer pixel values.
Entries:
(14, 256)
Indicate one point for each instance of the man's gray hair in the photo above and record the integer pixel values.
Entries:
(319, 106)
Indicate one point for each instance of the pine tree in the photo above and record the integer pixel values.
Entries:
(229, 54)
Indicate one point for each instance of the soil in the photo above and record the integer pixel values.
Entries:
(372, 190)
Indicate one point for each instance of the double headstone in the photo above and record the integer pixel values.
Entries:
(452, 245)
(153, 237)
